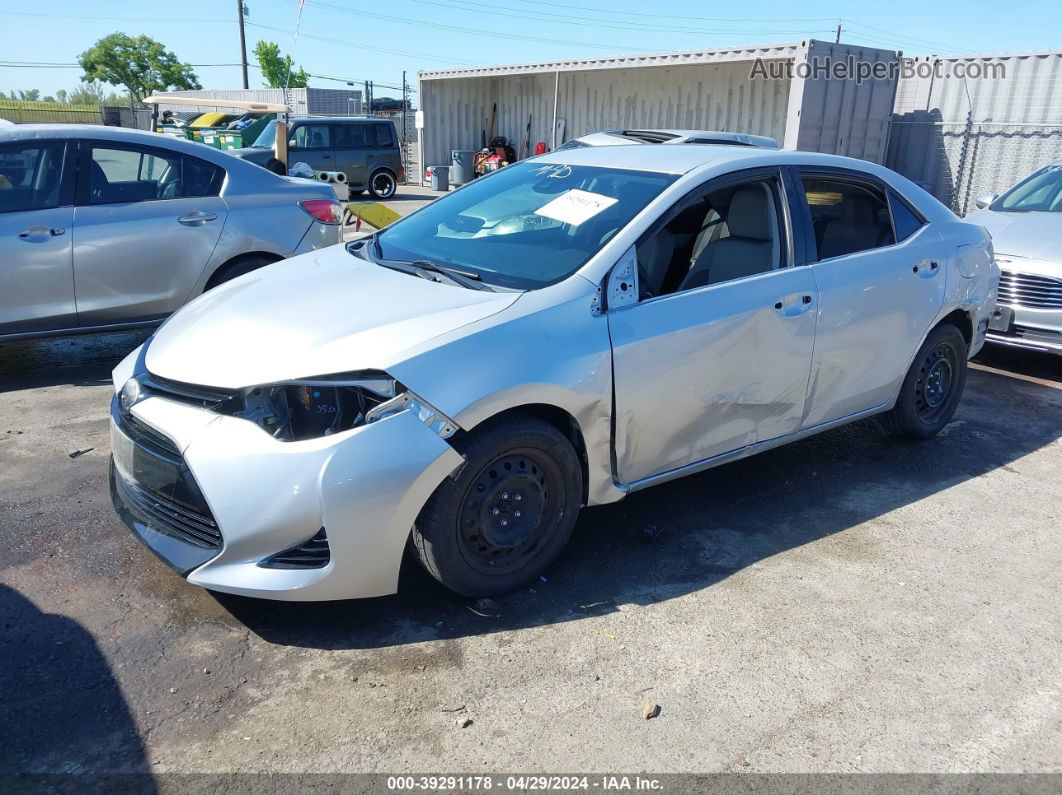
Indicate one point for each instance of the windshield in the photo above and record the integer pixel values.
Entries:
(526, 226)
(1042, 193)
(265, 139)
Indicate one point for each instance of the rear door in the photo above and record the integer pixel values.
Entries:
(36, 210)
(311, 143)
(383, 150)
(146, 222)
(352, 152)
(879, 290)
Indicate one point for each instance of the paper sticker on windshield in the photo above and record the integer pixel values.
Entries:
(575, 207)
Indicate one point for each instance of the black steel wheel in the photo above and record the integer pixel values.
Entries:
(505, 515)
(383, 185)
(933, 386)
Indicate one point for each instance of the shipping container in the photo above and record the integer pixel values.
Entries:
(763, 90)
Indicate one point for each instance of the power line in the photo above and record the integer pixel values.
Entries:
(613, 12)
(900, 35)
(114, 19)
(490, 34)
(406, 53)
(584, 22)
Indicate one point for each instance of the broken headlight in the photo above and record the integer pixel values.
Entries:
(324, 405)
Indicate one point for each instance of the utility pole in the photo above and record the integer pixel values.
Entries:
(838, 39)
(243, 42)
(404, 106)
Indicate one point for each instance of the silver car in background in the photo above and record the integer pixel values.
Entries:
(1026, 228)
(630, 137)
(105, 228)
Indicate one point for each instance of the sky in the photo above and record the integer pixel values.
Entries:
(357, 40)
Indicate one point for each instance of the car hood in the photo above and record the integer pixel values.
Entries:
(1030, 235)
(317, 314)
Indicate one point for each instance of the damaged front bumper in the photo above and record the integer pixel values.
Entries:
(324, 518)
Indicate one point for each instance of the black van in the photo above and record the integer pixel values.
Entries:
(366, 150)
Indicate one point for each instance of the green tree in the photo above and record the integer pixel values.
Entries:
(89, 92)
(31, 95)
(275, 67)
(61, 95)
(141, 64)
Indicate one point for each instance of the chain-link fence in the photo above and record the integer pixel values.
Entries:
(21, 112)
(957, 161)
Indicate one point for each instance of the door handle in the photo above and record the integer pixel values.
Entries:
(929, 268)
(38, 234)
(56, 231)
(196, 218)
(793, 305)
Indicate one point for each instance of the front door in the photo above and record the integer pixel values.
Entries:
(715, 354)
(881, 286)
(311, 144)
(36, 279)
(146, 223)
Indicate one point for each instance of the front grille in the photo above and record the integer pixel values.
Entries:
(149, 438)
(1035, 292)
(203, 396)
(168, 517)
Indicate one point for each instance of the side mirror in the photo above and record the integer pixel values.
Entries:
(622, 288)
(984, 200)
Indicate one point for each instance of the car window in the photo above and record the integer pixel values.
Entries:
(847, 216)
(904, 218)
(30, 175)
(526, 226)
(132, 175)
(1041, 192)
(350, 136)
(312, 136)
(383, 135)
(201, 178)
(723, 234)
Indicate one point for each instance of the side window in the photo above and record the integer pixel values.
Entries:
(312, 136)
(383, 135)
(201, 178)
(724, 234)
(133, 175)
(847, 216)
(30, 175)
(350, 136)
(904, 218)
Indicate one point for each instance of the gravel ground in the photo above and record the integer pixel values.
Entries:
(847, 603)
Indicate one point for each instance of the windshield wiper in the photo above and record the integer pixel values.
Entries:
(473, 281)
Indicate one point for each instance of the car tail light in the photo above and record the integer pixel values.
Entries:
(323, 210)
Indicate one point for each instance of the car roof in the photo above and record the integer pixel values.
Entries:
(683, 158)
(339, 119)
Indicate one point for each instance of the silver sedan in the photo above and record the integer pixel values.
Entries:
(1026, 228)
(104, 228)
(561, 333)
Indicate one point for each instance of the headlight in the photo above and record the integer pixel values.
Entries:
(324, 405)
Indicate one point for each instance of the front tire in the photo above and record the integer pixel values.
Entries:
(238, 268)
(506, 513)
(932, 388)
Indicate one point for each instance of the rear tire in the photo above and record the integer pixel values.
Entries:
(383, 185)
(238, 268)
(932, 388)
(497, 522)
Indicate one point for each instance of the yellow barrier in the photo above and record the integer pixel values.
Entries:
(374, 213)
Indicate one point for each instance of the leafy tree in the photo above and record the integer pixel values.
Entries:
(31, 95)
(90, 92)
(275, 67)
(140, 64)
(60, 95)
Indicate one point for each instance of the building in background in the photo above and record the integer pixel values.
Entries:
(302, 101)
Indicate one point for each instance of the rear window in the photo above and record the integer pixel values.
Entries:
(384, 136)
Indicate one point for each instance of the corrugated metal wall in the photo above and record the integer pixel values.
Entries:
(842, 116)
(963, 137)
(304, 101)
(703, 96)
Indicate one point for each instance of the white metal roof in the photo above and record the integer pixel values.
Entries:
(768, 51)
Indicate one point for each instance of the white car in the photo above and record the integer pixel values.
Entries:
(634, 137)
(558, 334)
